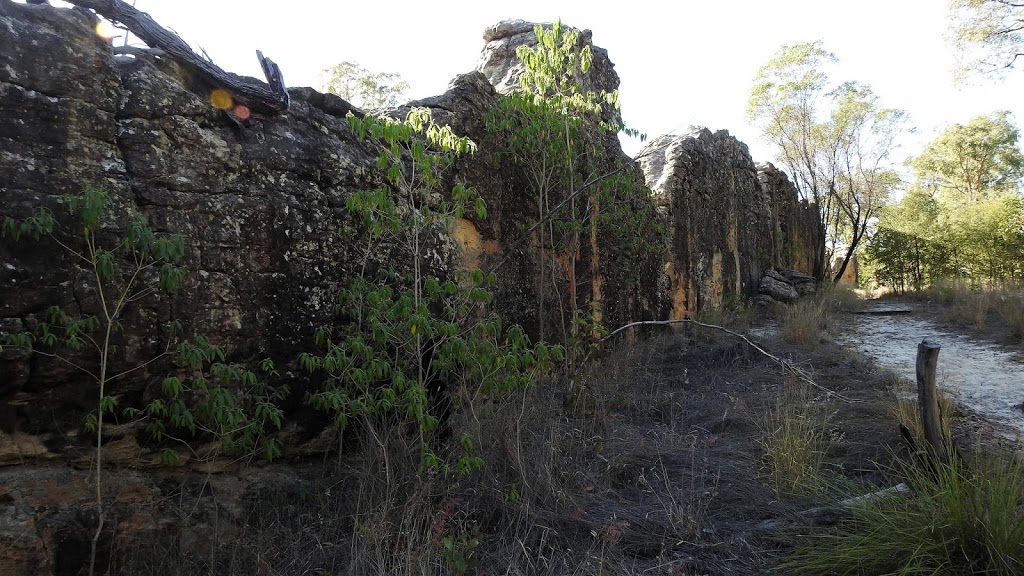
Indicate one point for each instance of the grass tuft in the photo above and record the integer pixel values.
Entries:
(794, 440)
(965, 517)
(805, 321)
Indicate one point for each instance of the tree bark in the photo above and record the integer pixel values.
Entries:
(260, 98)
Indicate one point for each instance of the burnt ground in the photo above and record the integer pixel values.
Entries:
(682, 470)
(650, 462)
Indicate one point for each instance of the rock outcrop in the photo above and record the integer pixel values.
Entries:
(262, 207)
(499, 63)
(729, 220)
(797, 235)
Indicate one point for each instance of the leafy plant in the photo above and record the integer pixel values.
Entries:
(407, 342)
(120, 276)
(207, 395)
(225, 401)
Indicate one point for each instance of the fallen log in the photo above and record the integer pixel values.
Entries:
(265, 99)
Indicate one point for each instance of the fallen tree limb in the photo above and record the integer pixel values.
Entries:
(801, 374)
(833, 514)
(260, 98)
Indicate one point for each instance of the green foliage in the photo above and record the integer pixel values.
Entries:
(39, 224)
(401, 334)
(458, 550)
(987, 34)
(973, 161)
(211, 397)
(962, 517)
(363, 87)
(964, 216)
(207, 395)
(118, 274)
(836, 141)
(548, 128)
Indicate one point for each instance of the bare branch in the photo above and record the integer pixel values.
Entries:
(801, 374)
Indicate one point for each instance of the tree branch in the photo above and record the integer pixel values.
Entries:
(257, 96)
(801, 374)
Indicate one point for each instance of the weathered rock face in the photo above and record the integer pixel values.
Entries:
(797, 235)
(728, 221)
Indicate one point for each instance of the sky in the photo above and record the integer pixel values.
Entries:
(682, 63)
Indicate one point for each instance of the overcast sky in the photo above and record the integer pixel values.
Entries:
(682, 63)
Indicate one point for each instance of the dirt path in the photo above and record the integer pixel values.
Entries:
(984, 377)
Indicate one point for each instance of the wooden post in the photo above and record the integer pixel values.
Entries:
(927, 396)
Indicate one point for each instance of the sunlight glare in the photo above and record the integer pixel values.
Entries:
(106, 30)
(220, 99)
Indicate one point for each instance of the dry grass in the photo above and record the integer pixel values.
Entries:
(805, 321)
(996, 310)
(794, 440)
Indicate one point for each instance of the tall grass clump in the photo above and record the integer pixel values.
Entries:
(805, 321)
(793, 440)
(840, 296)
(961, 517)
(1010, 306)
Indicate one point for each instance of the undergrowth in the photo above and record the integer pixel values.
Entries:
(961, 517)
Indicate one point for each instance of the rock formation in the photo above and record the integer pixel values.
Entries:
(729, 220)
(262, 207)
(499, 63)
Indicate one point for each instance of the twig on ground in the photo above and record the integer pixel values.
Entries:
(801, 374)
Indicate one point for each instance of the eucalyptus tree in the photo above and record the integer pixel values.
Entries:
(989, 34)
(836, 140)
(363, 87)
(973, 161)
(974, 172)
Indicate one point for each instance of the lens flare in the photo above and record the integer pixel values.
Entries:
(220, 99)
(242, 112)
(106, 30)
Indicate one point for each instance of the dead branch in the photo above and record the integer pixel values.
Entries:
(260, 98)
(801, 374)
